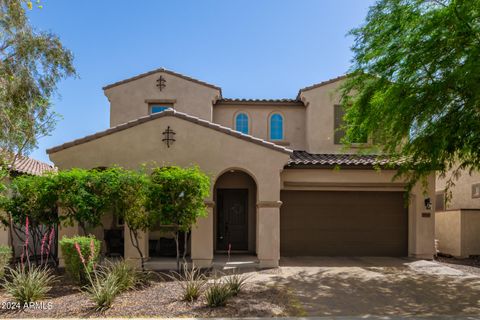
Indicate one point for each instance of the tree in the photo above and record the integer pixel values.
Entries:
(31, 65)
(84, 195)
(415, 85)
(34, 197)
(129, 192)
(180, 193)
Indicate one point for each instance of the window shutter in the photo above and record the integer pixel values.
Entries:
(339, 112)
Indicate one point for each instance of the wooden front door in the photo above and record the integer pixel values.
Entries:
(232, 219)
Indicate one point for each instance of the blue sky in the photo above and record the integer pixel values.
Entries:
(251, 49)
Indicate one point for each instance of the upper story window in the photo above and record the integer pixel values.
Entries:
(276, 127)
(241, 123)
(159, 107)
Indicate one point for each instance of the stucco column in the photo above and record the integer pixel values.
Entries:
(66, 231)
(202, 239)
(130, 252)
(421, 242)
(268, 233)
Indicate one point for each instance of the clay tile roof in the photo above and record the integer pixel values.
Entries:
(302, 158)
(31, 166)
(323, 83)
(171, 113)
(164, 71)
(260, 101)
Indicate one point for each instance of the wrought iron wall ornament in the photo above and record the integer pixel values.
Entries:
(169, 136)
(161, 83)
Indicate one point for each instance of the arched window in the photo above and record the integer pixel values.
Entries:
(276, 127)
(241, 123)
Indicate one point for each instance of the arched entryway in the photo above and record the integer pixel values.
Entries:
(235, 196)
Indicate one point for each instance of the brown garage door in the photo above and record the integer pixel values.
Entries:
(339, 223)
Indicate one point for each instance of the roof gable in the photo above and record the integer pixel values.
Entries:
(171, 113)
(161, 70)
(321, 84)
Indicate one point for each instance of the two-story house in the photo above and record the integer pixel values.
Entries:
(282, 183)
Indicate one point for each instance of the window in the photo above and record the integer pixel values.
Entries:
(241, 123)
(440, 201)
(276, 127)
(155, 108)
(475, 190)
(338, 123)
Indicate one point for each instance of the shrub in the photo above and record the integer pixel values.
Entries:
(5, 257)
(103, 289)
(73, 261)
(217, 294)
(235, 283)
(192, 282)
(28, 284)
(128, 277)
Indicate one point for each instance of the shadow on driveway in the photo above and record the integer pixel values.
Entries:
(377, 286)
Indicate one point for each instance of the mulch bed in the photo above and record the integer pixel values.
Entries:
(469, 265)
(159, 299)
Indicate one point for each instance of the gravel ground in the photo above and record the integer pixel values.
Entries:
(469, 265)
(160, 299)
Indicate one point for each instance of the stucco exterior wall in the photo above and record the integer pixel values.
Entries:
(462, 191)
(214, 152)
(259, 118)
(130, 100)
(421, 229)
(470, 232)
(448, 232)
(457, 232)
(319, 124)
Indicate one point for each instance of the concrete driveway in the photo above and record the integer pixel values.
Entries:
(375, 286)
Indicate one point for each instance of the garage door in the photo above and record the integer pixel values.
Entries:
(338, 223)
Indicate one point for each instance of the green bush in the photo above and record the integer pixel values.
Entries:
(235, 283)
(217, 294)
(5, 257)
(27, 285)
(103, 289)
(73, 262)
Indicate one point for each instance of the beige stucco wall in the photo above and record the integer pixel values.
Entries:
(448, 232)
(470, 232)
(128, 100)
(319, 126)
(462, 191)
(458, 232)
(421, 230)
(259, 117)
(319, 118)
(214, 152)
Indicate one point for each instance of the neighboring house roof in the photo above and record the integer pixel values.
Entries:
(164, 71)
(261, 101)
(31, 166)
(171, 113)
(303, 158)
(320, 84)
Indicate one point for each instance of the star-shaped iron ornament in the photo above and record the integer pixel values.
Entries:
(169, 136)
(161, 83)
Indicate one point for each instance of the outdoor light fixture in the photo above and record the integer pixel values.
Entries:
(428, 203)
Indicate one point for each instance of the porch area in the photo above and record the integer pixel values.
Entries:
(221, 262)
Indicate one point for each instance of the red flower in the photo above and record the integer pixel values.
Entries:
(77, 246)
